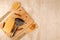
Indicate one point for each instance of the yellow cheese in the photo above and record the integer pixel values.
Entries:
(9, 25)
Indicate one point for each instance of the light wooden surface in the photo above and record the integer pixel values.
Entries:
(46, 14)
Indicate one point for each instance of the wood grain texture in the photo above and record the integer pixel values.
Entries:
(46, 14)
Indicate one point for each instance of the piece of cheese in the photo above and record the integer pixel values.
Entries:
(9, 25)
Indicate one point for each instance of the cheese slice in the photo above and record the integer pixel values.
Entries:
(9, 25)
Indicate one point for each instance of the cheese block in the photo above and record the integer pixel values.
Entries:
(9, 25)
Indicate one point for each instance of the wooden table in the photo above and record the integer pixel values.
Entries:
(46, 14)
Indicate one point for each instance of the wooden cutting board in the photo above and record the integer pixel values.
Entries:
(32, 11)
(28, 26)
